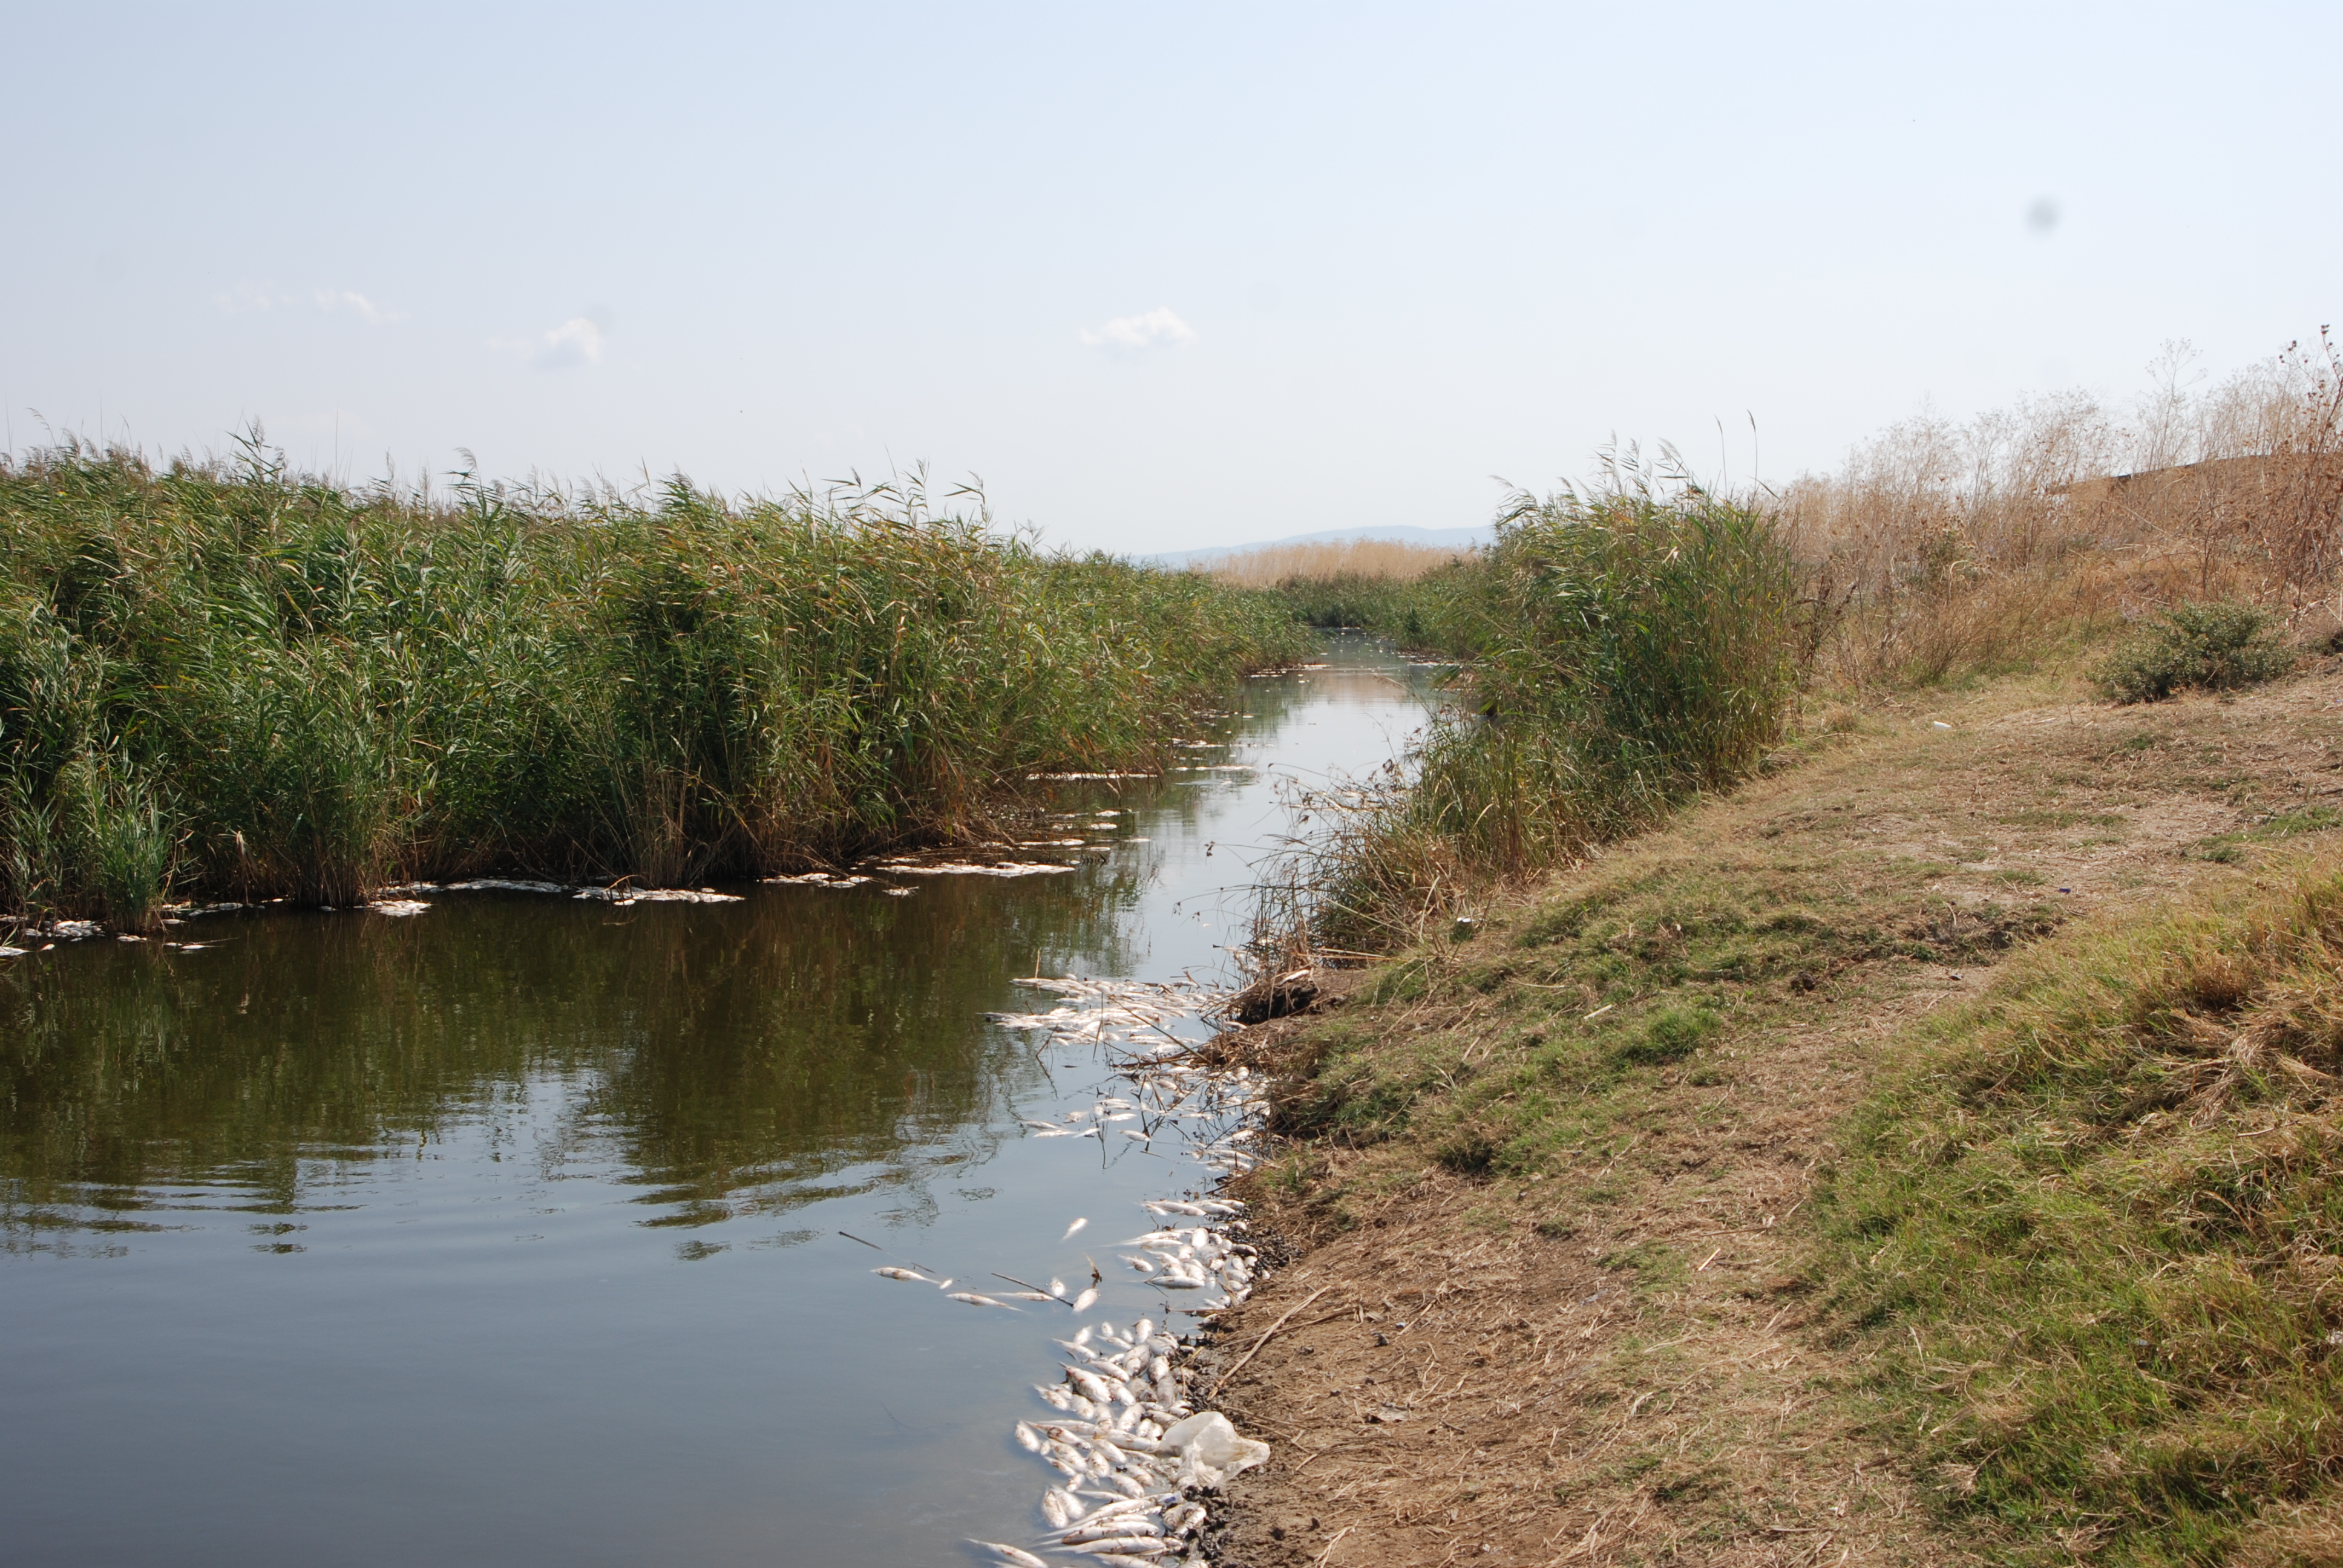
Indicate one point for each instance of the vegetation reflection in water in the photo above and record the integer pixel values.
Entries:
(735, 1062)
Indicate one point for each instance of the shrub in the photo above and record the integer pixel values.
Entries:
(2202, 647)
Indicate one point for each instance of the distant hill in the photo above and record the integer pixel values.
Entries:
(1430, 538)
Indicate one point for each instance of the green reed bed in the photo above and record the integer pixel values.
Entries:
(1431, 613)
(1630, 648)
(242, 682)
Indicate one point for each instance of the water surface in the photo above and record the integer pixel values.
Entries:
(509, 1233)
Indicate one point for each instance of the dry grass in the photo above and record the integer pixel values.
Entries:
(1385, 560)
(1951, 548)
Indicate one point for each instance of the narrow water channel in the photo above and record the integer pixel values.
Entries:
(509, 1233)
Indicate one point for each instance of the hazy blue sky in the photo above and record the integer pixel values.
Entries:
(1162, 276)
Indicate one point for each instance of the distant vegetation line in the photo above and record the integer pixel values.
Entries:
(234, 680)
(1416, 595)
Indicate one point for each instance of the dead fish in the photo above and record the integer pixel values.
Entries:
(1056, 1507)
(1029, 1295)
(1023, 1559)
(974, 1300)
(1074, 1229)
(1138, 1548)
(1083, 1303)
(1057, 1286)
(894, 1273)
(943, 1284)
(1093, 1388)
(1114, 1508)
(1121, 1530)
(1029, 1438)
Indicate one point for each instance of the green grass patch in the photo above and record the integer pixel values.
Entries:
(2091, 1235)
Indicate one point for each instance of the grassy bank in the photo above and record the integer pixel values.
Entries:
(1647, 1181)
(2092, 1228)
(1707, 1200)
(243, 682)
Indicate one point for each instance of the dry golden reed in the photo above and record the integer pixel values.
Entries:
(1390, 561)
(1943, 547)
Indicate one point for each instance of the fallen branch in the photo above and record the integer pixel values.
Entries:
(1221, 1382)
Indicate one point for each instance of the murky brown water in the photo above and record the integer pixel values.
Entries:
(507, 1233)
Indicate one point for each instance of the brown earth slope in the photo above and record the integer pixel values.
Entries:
(1542, 1315)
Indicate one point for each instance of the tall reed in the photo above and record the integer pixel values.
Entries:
(1635, 645)
(239, 681)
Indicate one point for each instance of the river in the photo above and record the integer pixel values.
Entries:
(510, 1233)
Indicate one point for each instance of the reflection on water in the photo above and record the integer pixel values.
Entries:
(731, 1058)
(351, 1239)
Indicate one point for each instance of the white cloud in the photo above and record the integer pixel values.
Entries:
(572, 345)
(576, 342)
(246, 298)
(1156, 328)
(243, 300)
(349, 299)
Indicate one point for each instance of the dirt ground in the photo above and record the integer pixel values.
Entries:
(1620, 1365)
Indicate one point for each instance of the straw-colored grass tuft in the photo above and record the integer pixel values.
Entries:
(1385, 560)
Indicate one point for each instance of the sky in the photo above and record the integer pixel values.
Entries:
(1159, 277)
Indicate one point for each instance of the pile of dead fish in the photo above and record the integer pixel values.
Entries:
(1135, 1452)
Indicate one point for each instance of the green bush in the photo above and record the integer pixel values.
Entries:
(2202, 647)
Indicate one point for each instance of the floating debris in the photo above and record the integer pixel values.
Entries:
(622, 897)
(971, 868)
(399, 908)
